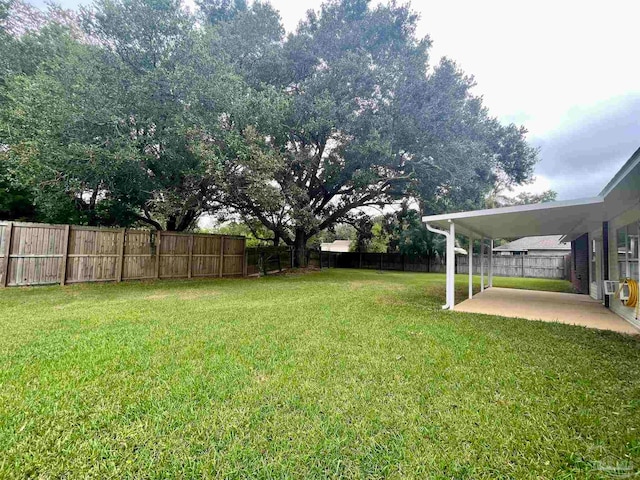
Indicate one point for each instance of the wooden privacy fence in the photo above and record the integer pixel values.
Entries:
(378, 261)
(265, 259)
(40, 254)
(533, 266)
(503, 266)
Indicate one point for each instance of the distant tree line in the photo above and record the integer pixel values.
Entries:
(135, 112)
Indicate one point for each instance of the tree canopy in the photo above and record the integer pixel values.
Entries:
(140, 111)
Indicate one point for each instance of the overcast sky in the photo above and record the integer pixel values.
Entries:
(567, 70)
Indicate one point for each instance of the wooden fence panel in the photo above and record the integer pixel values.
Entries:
(35, 254)
(92, 255)
(38, 254)
(206, 256)
(233, 256)
(140, 249)
(4, 230)
(174, 255)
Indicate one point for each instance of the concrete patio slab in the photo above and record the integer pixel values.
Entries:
(547, 306)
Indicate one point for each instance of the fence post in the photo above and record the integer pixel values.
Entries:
(8, 234)
(320, 260)
(221, 256)
(120, 266)
(65, 255)
(158, 241)
(522, 255)
(245, 255)
(380, 261)
(190, 258)
(402, 261)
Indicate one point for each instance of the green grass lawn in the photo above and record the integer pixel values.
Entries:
(342, 373)
(516, 282)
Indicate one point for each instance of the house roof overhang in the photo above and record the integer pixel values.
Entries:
(570, 218)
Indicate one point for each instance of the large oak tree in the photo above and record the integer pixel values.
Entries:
(152, 114)
(370, 123)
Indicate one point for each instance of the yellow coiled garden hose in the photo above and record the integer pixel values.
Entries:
(632, 301)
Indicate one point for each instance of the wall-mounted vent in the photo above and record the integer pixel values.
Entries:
(610, 287)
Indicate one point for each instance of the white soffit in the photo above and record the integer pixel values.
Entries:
(570, 218)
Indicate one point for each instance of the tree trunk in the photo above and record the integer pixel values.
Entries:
(299, 245)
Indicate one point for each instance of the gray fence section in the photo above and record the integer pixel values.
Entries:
(520, 266)
(503, 266)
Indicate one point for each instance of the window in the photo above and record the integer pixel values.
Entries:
(594, 255)
(627, 245)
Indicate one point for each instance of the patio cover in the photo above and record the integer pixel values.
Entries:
(569, 218)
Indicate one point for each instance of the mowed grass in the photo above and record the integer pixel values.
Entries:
(544, 284)
(341, 373)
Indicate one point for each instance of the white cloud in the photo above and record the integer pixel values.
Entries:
(539, 58)
(533, 61)
(540, 184)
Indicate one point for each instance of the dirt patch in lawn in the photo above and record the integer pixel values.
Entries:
(157, 296)
(360, 284)
(389, 300)
(294, 272)
(194, 294)
(191, 294)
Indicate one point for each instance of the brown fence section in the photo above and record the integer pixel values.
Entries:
(39, 254)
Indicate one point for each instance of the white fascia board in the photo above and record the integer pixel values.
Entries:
(515, 209)
(621, 174)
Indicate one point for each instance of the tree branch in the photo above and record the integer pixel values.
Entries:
(149, 221)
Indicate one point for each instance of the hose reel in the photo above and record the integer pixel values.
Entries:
(628, 292)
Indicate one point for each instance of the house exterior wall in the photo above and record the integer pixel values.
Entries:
(580, 264)
(339, 246)
(630, 216)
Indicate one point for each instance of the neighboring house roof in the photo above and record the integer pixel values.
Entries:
(540, 242)
(336, 246)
